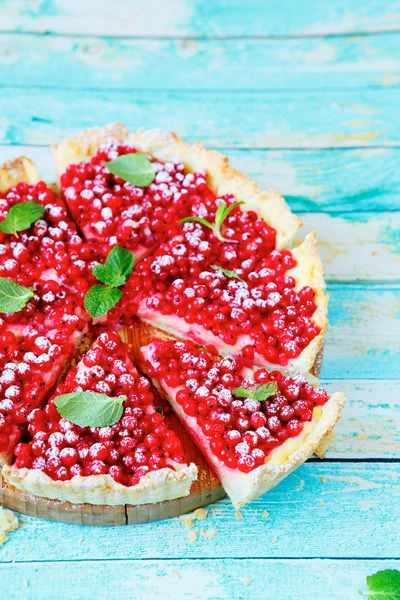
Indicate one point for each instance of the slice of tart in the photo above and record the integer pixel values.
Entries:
(254, 427)
(136, 460)
(110, 209)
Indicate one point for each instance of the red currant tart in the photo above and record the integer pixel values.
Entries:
(135, 460)
(254, 427)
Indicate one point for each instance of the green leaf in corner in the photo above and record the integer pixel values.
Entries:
(226, 272)
(257, 392)
(160, 410)
(21, 216)
(90, 409)
(134, 168)
(13, 297)
(383, 585)
(117, 268)
(99, 299)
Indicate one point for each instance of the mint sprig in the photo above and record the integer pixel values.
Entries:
(134, 168)
(223, 211)
(118, 266)
(21, 216)
(383, 585)
(226, 272)
(257, 392)
(13, 297)
(90, 409)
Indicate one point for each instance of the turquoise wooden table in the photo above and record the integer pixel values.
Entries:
(303, 96)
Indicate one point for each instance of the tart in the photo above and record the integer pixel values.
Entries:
(219, 297)
(137, 460)
(252, 444)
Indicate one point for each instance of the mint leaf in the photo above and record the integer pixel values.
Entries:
(160, 410)
(134, 168)
(383, 585)
(117, 268)
(90, 409)
(13, 297)
(99, 299)
(220, 216)
(21, 216)
(226, 272)
(258, 392)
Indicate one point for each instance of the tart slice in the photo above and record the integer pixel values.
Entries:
(111, 209)
(135, 460)
(254, 427)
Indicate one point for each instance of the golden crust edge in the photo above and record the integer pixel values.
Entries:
(268, 476)
(17, 170)
(309, 272)
(155, 486)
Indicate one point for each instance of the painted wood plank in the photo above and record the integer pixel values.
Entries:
(362, 340)
(357, 246)
(242, 120)
(333, 180)
(369, 425)
(222, 579)
(107, 63)
(323, 510)
(183, 18)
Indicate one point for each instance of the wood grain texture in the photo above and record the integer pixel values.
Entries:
(172, 579)
(277, 119)
(196, 18)
(247, 64)
(323, 510)
(362, 340)
(341, 180)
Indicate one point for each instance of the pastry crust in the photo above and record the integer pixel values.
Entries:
(167, 146)
(309, 272)
(155, 486)
(248, 486)
(85, 144)
(17, 170)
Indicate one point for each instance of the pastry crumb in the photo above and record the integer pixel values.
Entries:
(8, 523)
(187, 520)
(177, 575)
(322, 478)
(192, 536)
(274, 539)
(238, 515)
(209, 533)
(322, 502)
(265, 514)
(200, 513)
(25, 583)
(246, 580)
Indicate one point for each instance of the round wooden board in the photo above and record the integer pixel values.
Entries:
(206, 490)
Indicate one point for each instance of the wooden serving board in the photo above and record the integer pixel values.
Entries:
(206, 490)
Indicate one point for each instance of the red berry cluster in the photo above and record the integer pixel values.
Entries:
(114, 211)
(241, 432)
(140, 442)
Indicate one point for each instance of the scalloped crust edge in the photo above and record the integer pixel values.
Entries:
(17, 170)
(248, 486)
(155, 486)
(167, 146)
